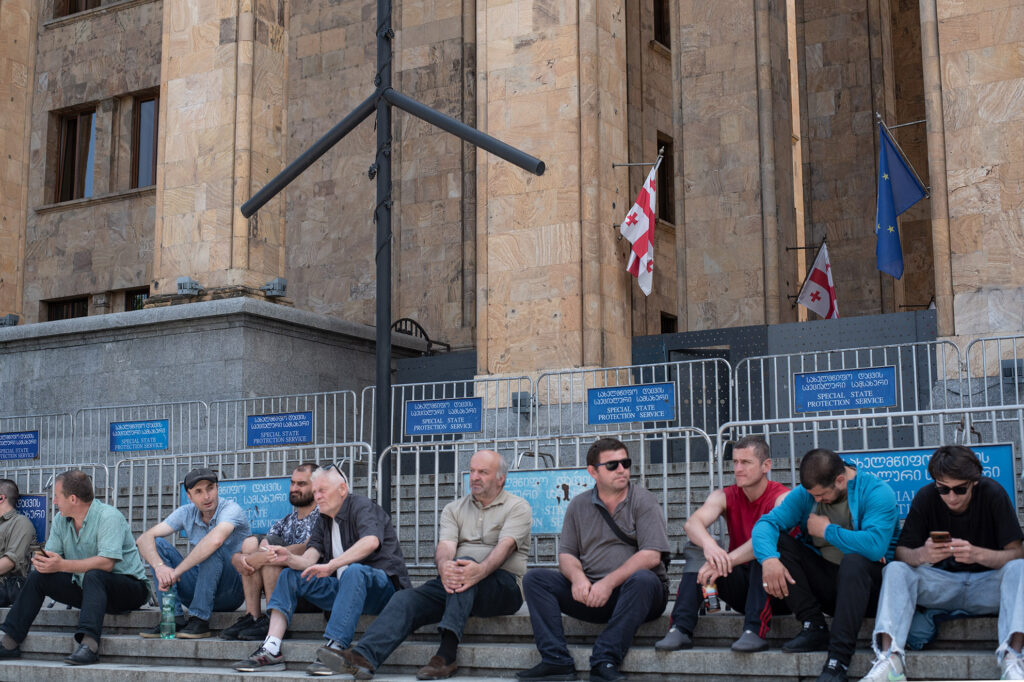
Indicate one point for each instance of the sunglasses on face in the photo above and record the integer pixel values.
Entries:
(958, 489)
(614, 464)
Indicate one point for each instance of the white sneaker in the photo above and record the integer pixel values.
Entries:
(886, 668)
(1013, 667)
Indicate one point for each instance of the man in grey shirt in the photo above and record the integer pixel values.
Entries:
(605, 574)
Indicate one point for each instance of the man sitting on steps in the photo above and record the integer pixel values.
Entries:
(737, 575)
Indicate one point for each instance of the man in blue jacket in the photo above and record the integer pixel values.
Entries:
(849, 523)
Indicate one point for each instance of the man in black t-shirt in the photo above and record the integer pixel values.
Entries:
(960, 549)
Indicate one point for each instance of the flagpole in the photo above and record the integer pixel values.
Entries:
(888, 132)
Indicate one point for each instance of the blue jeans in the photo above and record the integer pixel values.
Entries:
(904, 587)
(549, 594)
(496, 595)
(360, 589)
(213, 585)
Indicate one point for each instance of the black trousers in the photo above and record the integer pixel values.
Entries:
(101, 592)
(848, 592)
(741, 590)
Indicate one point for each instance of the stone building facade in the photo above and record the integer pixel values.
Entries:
(766, 109)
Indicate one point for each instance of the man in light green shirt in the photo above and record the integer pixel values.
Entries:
(90, 562)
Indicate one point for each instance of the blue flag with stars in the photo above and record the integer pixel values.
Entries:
(898, 190)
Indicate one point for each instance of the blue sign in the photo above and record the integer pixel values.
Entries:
(279, 429)
(265, 500)
(19, 445)
(845, 389)
(134, 436)
(906, 471)
(455, 415)
(548, 491)
(643, 403)
(34, 507)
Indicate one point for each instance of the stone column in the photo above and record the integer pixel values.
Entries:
(222, 122)
(551, 287)
(17, 60)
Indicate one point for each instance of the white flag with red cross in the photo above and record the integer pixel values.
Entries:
(638, 228)
(818, 293)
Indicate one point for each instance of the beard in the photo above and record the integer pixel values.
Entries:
(300, 500)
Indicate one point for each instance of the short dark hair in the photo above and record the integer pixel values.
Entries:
(308, 467)
(755, 443)
(76, 482)
(603, 445)
(9, 489)
(820, 467)
(954, 461)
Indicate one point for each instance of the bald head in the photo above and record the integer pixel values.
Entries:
(487, 472)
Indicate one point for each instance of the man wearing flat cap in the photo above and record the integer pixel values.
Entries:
(205, 579)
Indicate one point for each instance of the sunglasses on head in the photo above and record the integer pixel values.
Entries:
(332, 465)
(958, 489)
(614, 464)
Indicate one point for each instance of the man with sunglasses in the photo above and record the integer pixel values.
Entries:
(610, 570)
(960, 549)
(737, 575)
(849, 523)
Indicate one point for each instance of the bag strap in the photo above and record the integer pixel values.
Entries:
(615, 527)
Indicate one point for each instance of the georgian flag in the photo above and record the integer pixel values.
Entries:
(638, 228)
(818, 293)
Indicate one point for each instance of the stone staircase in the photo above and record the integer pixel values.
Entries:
(493, 648)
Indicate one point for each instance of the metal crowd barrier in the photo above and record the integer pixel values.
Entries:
(49, 434)
(334, 417)
(185, 430)
(995, 371)
(38, 480)
(427, 476)
(927, 374)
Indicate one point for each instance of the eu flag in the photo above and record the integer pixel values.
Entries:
(898, 190)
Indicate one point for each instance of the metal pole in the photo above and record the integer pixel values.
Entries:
(382, 216)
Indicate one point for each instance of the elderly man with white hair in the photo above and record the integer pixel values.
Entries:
(352, 565)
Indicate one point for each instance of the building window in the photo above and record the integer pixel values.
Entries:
(666, 181)
(68, 308)
(135, 299)
(77, 154)
(669, 324)
(662, 22)
(144, 130)
(62, 8)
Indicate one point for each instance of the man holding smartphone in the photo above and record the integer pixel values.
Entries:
(960, 549)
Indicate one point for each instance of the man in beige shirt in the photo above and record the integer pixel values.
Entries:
(16, 534)
(481, 559)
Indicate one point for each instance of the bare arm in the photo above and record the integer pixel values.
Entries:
(6, 565)
(205, 547)
(54, 563)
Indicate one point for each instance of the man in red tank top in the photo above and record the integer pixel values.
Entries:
(734, 571)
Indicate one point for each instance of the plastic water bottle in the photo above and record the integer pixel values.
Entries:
(168, 627)
(711, 603)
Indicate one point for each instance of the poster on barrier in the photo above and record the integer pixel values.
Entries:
(19, 445)
(548, 491)
(279, 429)
(34, 507)
(265, 500)
(641, 403)
(152, 434)
(845, 389)
(454, 415)
(906, 471)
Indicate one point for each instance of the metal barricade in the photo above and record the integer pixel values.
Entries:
(147, 489)
(50, 435)
(700, 388)
(38, 480)
(927, 376)
(425, 412)
(333, 416)
(995, 371)
(427, 476)
(183, 425)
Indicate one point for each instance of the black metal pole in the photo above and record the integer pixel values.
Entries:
(383, 218)
(306, 159)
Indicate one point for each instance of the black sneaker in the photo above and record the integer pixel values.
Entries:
(256, 631)
(154, 632)
(261, 660)
(833, 671)
(6, 654)
(606, 672)
(233, 630)
(83, 655)
(548, 671)
(811, 638)
(195, 628)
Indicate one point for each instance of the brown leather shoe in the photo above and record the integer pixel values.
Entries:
(437, 669)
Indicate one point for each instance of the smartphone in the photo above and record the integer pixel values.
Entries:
(941, 537)
(40, 552)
